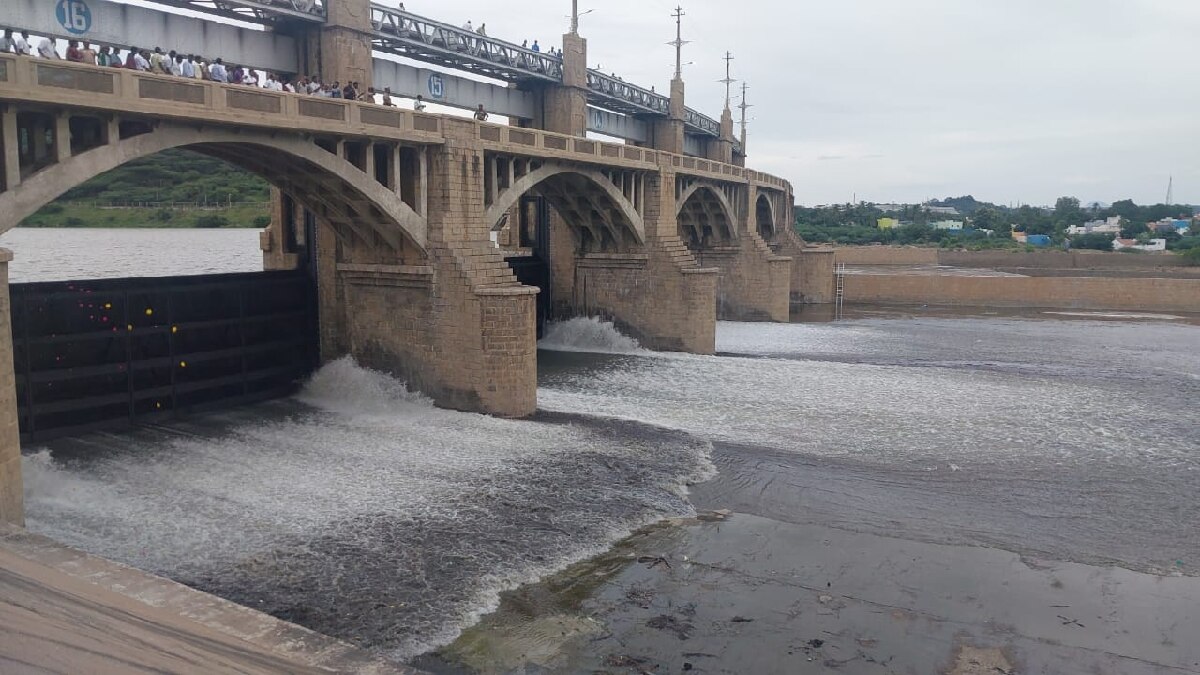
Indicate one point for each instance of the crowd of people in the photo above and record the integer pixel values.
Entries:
(191, 66)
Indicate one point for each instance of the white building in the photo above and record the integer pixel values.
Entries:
(1154, 245)
(1110, 226)
(947, 224)
(942, 210)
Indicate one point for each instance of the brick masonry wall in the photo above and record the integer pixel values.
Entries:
(886, 255)
(1098, 293)
(1059, 259)
(452, 322)
(657, 295)
(812, 269)
(752, 283)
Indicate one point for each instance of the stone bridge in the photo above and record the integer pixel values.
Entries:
(407, 219)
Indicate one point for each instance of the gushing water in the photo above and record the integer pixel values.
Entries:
(365, 513)
(588, 334)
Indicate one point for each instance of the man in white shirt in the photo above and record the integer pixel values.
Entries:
(217, 72)
(21, 43)
(188, 67)
(272, 83)
(419, 104)
(46, 49)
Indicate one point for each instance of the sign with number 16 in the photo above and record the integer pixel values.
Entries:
(74, 15)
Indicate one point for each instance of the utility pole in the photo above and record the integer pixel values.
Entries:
(743, 107)
(728, 80)
(679, 42)
(574, 17)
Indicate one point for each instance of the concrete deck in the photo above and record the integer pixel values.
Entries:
(64, 611)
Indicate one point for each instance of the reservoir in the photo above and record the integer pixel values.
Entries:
(358, 509)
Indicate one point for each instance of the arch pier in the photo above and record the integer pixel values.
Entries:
(725, 230)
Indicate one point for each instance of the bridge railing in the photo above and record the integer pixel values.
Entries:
(25, 78)
(60, 82)
(406, 34)
(538, 143)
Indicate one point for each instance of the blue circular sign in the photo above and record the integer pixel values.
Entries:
(74, 15)
(437, 86)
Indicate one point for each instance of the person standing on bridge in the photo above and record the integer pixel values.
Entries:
(103, 58)
(131, 59)
(6, 43)
(22, 44)
(481, 114)
(46, 49)
(217, 72)
(536, 47)
(156, 60)
(387, 97)
(187, 68)
(141, 61)
(482, 30)
(74, 54)
(419, 103)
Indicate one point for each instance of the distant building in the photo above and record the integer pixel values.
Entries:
(1154, 245)
(947, 225)
(1110, 226)
(1170, 225)
(887, 223)
(889, 208)
(942, 210)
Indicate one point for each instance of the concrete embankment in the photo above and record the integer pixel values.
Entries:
(1141, 294)
(1050, 279)
(65, 611)
(1093, 260)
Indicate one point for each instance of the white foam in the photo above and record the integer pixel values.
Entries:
(372, 482)
(587, 334)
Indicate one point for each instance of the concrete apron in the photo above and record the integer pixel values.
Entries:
(66, 611)
(745, 594)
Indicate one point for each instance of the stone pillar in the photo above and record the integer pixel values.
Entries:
(62, 137)
(721, 149)
(12, 147)
(668, 133)
(564, 108)
(12, 496)
(340, 49)
(271, 240)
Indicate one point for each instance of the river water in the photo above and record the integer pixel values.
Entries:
(360, 510)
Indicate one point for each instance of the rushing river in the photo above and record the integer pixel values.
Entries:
(360, 510)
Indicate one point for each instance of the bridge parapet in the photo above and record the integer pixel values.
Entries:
(58, 83)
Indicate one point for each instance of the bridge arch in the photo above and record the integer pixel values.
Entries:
(330, 186)
(705, 216)
(581, 195)
(764, 215)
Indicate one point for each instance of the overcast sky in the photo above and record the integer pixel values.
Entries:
(903, 100)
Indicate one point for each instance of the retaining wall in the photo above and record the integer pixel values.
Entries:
(1164, 295)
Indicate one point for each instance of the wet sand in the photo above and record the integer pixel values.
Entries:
(740, 592)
